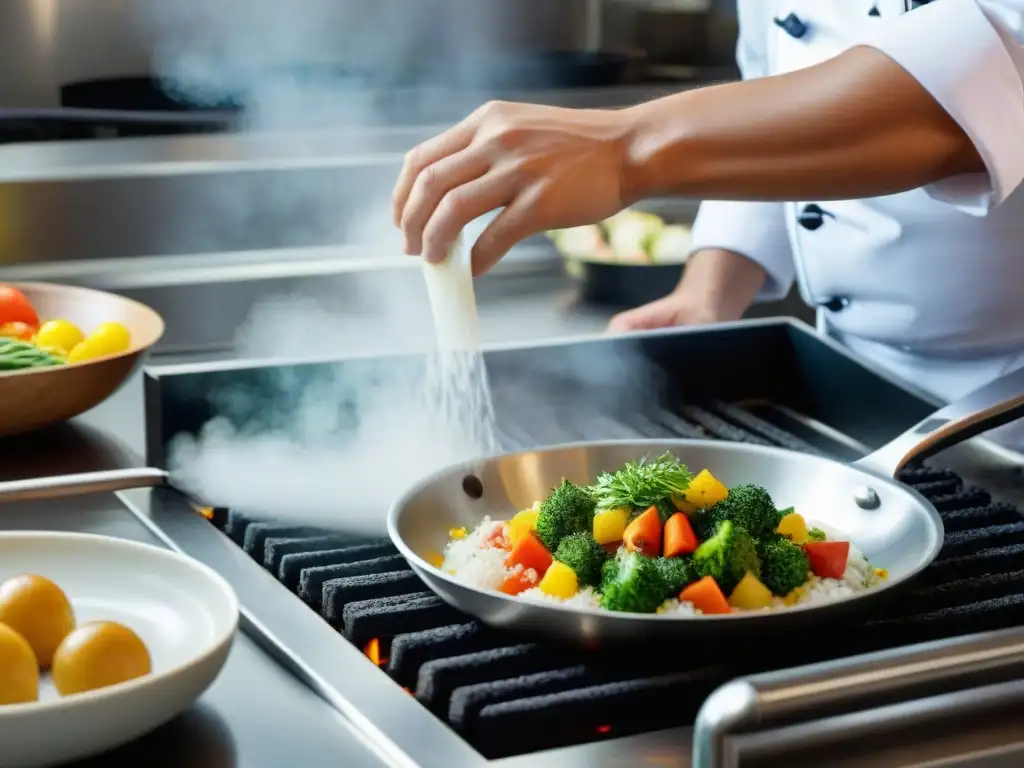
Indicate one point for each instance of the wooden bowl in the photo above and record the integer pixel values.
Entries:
(36, 398)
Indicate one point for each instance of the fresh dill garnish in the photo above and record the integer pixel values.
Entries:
(641, 484)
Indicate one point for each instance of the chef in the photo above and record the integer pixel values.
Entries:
(872, 154)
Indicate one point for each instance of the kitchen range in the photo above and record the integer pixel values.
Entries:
(346, 657)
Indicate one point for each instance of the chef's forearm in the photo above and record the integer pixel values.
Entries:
(855, 126)
(722, 281)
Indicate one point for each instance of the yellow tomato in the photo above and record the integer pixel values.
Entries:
(59, 336)
(98, 655)
(107, 339)
(19, 673)
(39, 611)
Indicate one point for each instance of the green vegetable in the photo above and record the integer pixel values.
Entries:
(641, 484)
(567, 510)
(676, 572)
(582, 553)
(816, 534)
(18, 355)
(784, 565)
(748, 506)
(727, 556)
(631, 233)
(672, 244)
(632, 583)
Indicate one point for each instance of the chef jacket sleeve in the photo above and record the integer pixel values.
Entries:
(968, 55)
(754, 230)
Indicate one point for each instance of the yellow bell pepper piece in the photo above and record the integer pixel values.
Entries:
(436, 559)
(705, 490)
(751, 594)
(559, 581)
(794, 526)
(457, 533)
(522, 524)
(610, 525)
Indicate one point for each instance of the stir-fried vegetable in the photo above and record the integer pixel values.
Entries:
(727, 556)
(632, 582)
(582, 553)
(568, 510)
(643, 535)
(706, 596)
(828, 558)
(651, 532)
(642, 484)
(784, 565)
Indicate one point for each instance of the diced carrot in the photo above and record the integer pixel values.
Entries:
(529, 552)
(828, 558)
(679, 536)
(520, 581)
(497, 539)
(644, 533)
(706, 597)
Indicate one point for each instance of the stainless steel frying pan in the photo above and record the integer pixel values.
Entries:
(896, 527)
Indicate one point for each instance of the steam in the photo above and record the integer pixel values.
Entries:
(337, 448)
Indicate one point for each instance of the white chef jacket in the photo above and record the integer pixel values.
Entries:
(928, 284)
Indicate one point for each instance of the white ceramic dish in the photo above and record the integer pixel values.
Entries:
(185, 613)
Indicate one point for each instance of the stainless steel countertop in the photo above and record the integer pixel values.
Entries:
(256, 714)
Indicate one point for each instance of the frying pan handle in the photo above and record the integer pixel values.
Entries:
(818, 691)
(81, 484)
(997, 403)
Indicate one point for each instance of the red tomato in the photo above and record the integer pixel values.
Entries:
(16, 308)
(17, 331)
(828, 558)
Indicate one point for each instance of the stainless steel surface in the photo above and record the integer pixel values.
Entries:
(60, 486)
(847, 686)
(53, 42)
(197, 195)
(902, 532)
(255, 715)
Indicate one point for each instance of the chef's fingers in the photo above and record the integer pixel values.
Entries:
(514, 224)
(658, 314)
(462, 205)
(429, 189)
(424, 155)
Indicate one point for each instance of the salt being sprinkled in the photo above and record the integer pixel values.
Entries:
(457, 392)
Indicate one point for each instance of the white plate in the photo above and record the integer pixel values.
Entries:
(184, 612)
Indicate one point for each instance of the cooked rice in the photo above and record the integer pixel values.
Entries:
(484, 567)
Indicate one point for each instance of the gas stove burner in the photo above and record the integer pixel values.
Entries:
(487, 684)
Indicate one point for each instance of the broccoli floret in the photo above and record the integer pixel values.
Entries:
(816, 534)
(784, 565)
(727, 556)
(748, 506)
(632, 583)
(582, 553)
(676, 572)
(567, 510)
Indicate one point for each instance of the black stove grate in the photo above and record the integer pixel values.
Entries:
(507, 695)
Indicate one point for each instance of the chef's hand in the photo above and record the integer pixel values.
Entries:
(547, 168)
(718, 286)
(675, 309)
